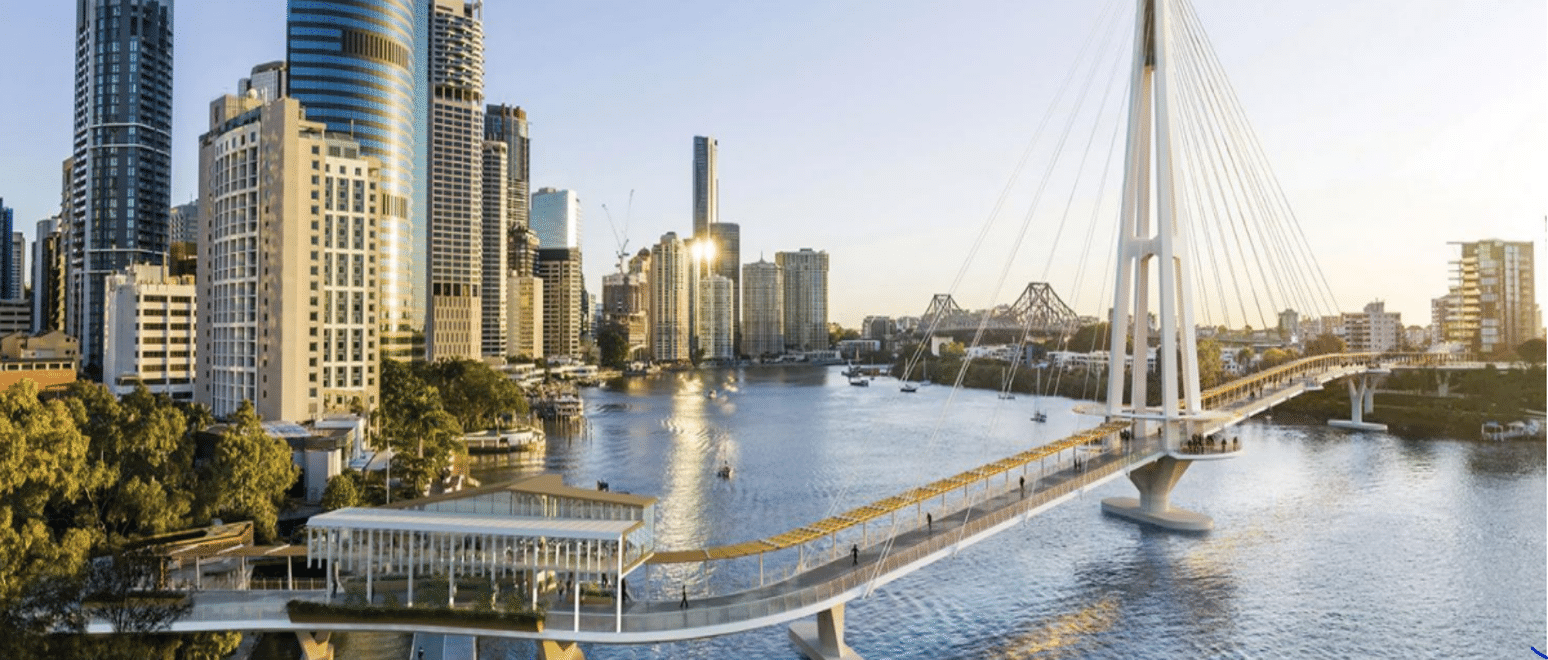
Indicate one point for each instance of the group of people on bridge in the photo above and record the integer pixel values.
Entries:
(1199, 444)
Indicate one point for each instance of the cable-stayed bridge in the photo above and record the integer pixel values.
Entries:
(1203, 230)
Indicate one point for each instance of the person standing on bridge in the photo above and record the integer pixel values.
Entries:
(1023, 481)
(684, 605)
(854, 551)
(929, 523)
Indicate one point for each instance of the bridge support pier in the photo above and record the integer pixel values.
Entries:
(315, 646)
(1362, 399)
(1155, 482)
(552, 650)
(823, 640)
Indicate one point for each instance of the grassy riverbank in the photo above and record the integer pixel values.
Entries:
(1431, 404)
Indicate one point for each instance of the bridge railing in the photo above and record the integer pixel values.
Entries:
(1247, 386)
(912, 547)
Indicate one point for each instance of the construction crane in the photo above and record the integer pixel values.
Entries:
(621, 237)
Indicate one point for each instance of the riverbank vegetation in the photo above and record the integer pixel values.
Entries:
(1432, 403)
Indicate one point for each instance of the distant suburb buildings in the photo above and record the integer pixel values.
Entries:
(1491, 306)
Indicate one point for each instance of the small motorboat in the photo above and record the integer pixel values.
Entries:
(724, 472)
(1039, 417)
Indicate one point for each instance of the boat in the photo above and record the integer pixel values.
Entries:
(1498, 431)
(724, 472)
(909, 387)
(712, 394)
(859, 381)
(1039, 417)
(1007, 396)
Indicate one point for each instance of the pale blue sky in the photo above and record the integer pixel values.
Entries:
(883, 132)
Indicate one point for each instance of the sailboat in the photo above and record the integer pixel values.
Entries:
(911, 388)
(1038, 415)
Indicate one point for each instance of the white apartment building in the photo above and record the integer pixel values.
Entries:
(288, 264)
(715, 328)
(670, 270)
(149, 328)
(763, 313)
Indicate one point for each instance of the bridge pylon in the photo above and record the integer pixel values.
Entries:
(1362, 399)
(1156, 249)
(823, 640)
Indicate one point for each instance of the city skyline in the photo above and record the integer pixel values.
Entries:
(1421, 132)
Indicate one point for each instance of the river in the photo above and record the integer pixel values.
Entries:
(1326, 543)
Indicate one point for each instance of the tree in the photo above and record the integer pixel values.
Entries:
(477, 396)
(1325, 344)
(1533, 351)
(1211, 367)
(140, 480)
(1091, 337)
(249, 474)
(953, 351)
(343, 491)
(613, 344)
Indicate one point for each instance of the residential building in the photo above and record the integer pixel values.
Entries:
(523, 292)
(560, 270)
(15, 316)
(494, 286)
(715, 338)
(806, 298)
(122, 178)
(1373, 330)
(727, 263)
(48, 275)
(288, 264)
(183, 223)
(50, 360)
(1498, 302)
(455, 328)
(11, 282)
(763, 295)
(149, 334)
(706, 185)
(670, 274)
(508, 124)
(626, 303)
(524, 315)
(360, 69)
(1446, 319)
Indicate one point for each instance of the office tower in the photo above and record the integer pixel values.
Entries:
(1498, 304)
(706, 185)
(560, 270)
(10, 269)
(268, 81)
(288, 277)
(360, 69)
(508, 124)
(48, 269)
(183, 223)
(149, 334)
(122, 177)
(715, 320)
(728, 264)
(556, 219)
(15, 284)
(523, 292)
(455, 328)
(1372, 330)
(806, 299)
(763, 317)
(494, 288)
(670, 274)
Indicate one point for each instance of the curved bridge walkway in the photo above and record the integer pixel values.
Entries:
(975, 505)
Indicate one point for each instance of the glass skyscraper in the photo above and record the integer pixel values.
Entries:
(359, 67)
(121, 177)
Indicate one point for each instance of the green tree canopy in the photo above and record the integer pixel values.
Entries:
(1325, 344)
(477, 396)
(249, 474)
(343, 491)
(1533, 351)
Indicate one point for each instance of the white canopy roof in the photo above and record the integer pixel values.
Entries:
(474, 524)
